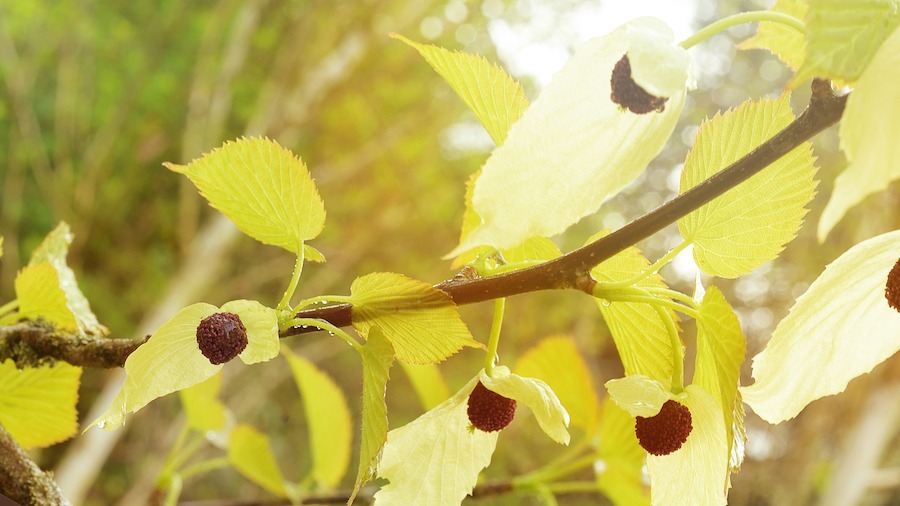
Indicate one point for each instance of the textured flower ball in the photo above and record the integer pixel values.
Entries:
(892, 287)
(221, 337)
(667, 431)
(629, 95)
(489, 411)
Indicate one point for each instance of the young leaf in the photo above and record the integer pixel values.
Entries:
(696, 473)
(328, 418)
(421, 322)
(620, 458)
(497, 99)
(377, 358)
(37, 405)
(40, 296)
(750, 224)
(202, 407)
(435, 459)
(263, 188)
(251, 455)
(840, 328)
(536, 395)
(557, 361)
(843, 37)
(641, 337)
(720, 353)
(574, 147)
(54, 249)
(429, 384)
(786, 43)
(867, 136)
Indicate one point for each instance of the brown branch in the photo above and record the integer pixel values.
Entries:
(572, 269)
(21, 479)
(32, 343)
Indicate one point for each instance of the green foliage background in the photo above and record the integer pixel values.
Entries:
(96, 95)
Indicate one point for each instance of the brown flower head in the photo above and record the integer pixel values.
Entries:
(221, 337)
(629, 95)
(489, 411)
(665, 432)
(892, 287)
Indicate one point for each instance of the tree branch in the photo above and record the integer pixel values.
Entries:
(30, 344)
(572, 270)
(21, 479)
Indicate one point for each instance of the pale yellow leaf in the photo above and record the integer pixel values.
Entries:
(840, 328)
(328, 418)
(40, 296)
(788, 44)
(250, 453)
(638, 395)
(868, 136)
(202, 407)
(620, 458)
(536, 395)
(429, 384)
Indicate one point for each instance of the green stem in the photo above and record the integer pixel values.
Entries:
(500, 269)
(494, 340)
(678, 353)
(292, 286)
(567, 487)
(9, 306)
(204, 466)
(672, 294)
(653, 269)
(173, 491)
(169, 466)
(552, 469)
(739, 19)
(647, 296)
(323, 299)
(324, 325)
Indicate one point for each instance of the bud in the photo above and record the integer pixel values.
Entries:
(628, 94)
(489, 411)
(892, 287)
(665, 432)
(221, 337)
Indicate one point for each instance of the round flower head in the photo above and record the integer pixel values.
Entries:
(665, 432)
(892, 287)
(221, 337)
(629, 94)
(489, 411)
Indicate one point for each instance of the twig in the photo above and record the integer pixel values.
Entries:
(21, 479)
(30, 344)
(571, 271)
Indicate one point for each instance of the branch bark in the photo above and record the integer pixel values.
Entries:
(21, 479)
(572, 270)
(29, 344)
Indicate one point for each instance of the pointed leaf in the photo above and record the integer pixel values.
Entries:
(868, 129)
(263, 188)
(574, 147)
(788, 44)
(435, 459)
(421, 322)
(377, 358)
(202, 407)
(843, 36)
(536, 395)
(750, 224)
(37, 405)
(695, 473)
(641, 336)
(720, 353)
(169, 361)
(558, 362)
(40, 296)
(250, 453)
(840, 328)
(497, 99)
(429, 384)
(620, 458)
(328, 418)
(54, 249)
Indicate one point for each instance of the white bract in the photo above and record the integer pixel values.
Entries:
(574, 147)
